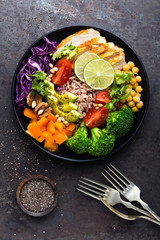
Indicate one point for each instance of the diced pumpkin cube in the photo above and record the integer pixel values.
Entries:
(34, 130)
(68, 133)
(40, 139)
(44, 129)
(60, 137)
(52, 147)
(48, 136)
(71, 127)
(51, 117)
(51, 127)
(42, 122)
(59, 126)
(30, 114)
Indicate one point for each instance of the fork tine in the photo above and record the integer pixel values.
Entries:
(118, 177)
(93, 186)
(87, 193)
(112, 183)
(97, 183)
(91, 190)
(115, 179)
(121, 174)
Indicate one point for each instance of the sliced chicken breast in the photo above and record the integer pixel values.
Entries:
(89, 40)
(118, 61)
(111, 52)
(81, 38)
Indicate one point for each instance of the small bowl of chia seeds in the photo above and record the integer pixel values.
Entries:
(36, 195)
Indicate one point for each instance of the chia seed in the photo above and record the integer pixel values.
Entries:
(37, 195)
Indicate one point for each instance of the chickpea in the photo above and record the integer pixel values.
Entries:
(138, 89)
(135, 85)
(139, 105)
(135, 69)
(131, 104)
(133, 93)
(135, 109)
(138, 94)
(123, 100)
(126, 67)
(131, 64)
(129, 99)
(133, 80)
(136, 99)
(138, 78)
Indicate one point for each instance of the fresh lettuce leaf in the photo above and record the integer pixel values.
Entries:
(122, 77)
(39, 83)
(68, 51)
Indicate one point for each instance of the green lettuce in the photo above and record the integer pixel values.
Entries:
(69, 51)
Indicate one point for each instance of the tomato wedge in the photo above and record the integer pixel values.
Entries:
(64, 72)
(95, 118)
(103, 97)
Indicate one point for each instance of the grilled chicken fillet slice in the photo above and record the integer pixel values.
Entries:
(89, 40)
(82, 38)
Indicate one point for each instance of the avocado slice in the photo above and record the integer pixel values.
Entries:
(67, 107)
(66, 98)
(71, 97)
(63, 105)
(72, 116)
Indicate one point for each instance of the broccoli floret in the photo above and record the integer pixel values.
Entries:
(120, 122)
(79, 142)
(100, 144)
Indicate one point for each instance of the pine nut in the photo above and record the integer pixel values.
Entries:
(34, 104)
(55, 69)
(51, 65)
(40, 111)
(52, 71)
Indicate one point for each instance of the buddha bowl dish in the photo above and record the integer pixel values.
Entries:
(80, 93)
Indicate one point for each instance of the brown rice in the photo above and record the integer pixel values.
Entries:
(86, 95)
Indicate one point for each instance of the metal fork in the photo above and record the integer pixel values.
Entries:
(109, 194)
(127, 188)
(125, 216)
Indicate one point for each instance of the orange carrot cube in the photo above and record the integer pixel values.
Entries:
(51, 117)
(59, 126)
(30, 114)
(34, 130)
(42, 122)
(51, 127)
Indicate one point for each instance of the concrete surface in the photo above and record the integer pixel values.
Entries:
(77, 217)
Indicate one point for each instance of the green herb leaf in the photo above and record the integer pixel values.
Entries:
(69, 50)
(122, 77)
(39, 84)
(126, 95)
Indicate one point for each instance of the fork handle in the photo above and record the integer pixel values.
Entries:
(146, 207)
(124, 216)
(131, 206)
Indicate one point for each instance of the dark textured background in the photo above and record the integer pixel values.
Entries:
(77, 217)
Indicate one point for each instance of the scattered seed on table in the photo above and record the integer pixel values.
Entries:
(37, 195)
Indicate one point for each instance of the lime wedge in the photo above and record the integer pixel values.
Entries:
(81, 62)
(99, 74)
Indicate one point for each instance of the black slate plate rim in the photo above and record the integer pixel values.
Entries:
(84, 159)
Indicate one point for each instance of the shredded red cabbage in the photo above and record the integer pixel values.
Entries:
(38, 61)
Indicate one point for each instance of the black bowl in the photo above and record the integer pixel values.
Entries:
(63, 152)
